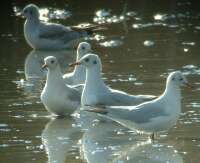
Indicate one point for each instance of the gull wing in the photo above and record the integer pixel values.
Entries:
(89, 28)
(142, 113)
(54, 31)
(115, 98)
(78, 87)
(73, 94)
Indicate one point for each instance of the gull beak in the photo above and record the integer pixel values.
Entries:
(44, 66)
(21, 14)
(91, 50)
(189, 86)
(75, 47)
(74, 64)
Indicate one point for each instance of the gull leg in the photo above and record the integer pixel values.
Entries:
(152, 136)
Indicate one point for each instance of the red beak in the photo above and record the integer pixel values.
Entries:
(74, 64)
(44, 66)
(189, 86)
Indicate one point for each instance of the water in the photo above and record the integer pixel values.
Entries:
(145, 41)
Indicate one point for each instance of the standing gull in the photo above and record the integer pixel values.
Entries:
(52, 36)
(58, 98)
(79, 73)
(157, 115)
(95, 92)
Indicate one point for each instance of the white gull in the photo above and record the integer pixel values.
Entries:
(52, 36)
(96, 92)
(58, 98)
(79, 73)
(153, 116)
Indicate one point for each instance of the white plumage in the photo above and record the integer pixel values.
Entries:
(96, 92)
(79, 73)
(153, 116)
(58, 98)
(52, 36)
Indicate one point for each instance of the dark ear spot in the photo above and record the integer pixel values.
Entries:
(52, 61)
(173, 79)
(94, 62)
(86, 59)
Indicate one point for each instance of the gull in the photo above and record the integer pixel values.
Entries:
(96, 92)
(52, 36)
(153, 116)
(58, 98)
(79, 73)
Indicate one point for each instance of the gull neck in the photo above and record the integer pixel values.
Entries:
(33, 20)
(54, 76)
(80, 69)
(93, 78)
(172, 91)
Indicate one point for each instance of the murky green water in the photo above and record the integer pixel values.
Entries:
(145, 42)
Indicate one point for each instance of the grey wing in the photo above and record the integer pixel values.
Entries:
(78, 87)
(57, 32)
(124, 98)
(115, 97)
(74, 94)
(68, 78)
(139, 114)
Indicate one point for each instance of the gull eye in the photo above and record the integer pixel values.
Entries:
(94, 62)
(52, 61)
(31, 12)
(181, 79)
(83, 48)
(87, 60)
(173, 79)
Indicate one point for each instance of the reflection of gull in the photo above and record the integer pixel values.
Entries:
(79, 73)
(42, 35)
(125, 20)
(58, 98)
(146, 152)
(99, 142)
(60, 137)
(153, 116)
(34, 74)
(95, 91)
(107, 147)
(35, 60)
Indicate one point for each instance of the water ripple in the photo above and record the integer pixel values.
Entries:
(111, 43)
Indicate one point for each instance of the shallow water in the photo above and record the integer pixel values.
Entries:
(145, 41)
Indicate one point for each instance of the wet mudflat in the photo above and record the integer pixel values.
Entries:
(145, 41)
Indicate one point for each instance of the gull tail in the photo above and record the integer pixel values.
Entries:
(89, 28)
(99, 110)
(147, 97)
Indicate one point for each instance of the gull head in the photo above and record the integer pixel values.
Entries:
(176, 78)
(31, 11)
(89, 61)
(50, 62)
(83, 48)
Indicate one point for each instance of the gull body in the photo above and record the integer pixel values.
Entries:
(79, 73)
(52, 36)
(157, 115)
(58, 98)
(96, 92)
